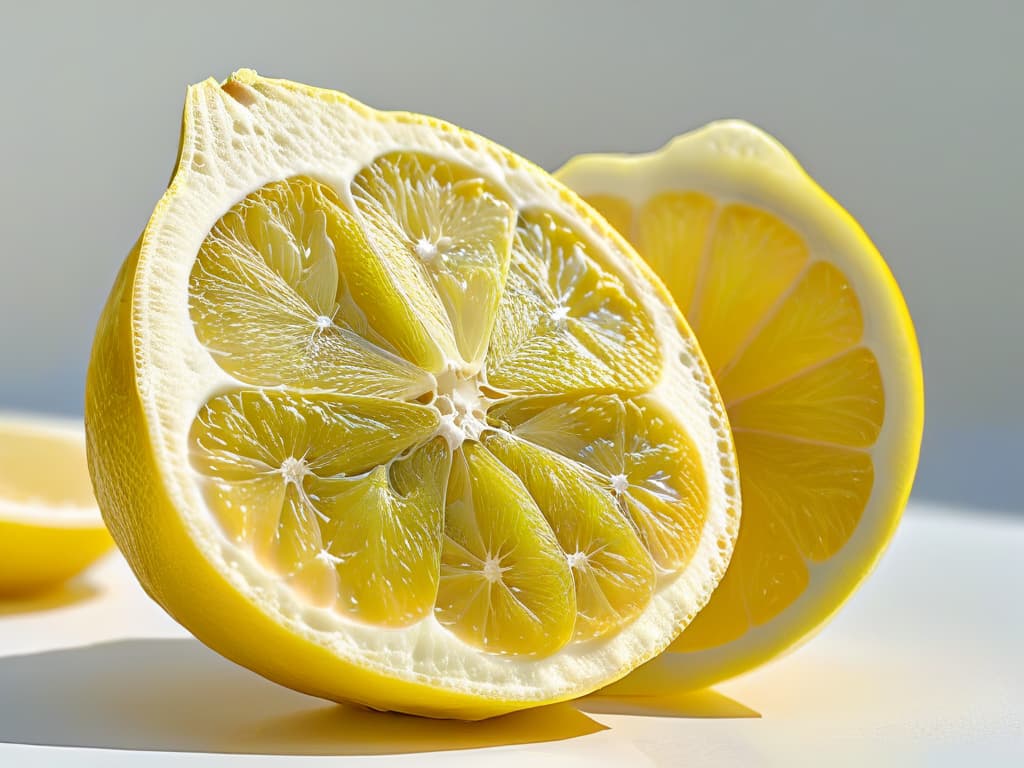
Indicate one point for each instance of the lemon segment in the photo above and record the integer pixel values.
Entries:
(272, 463)
(827, 489)
(565, 323)
(815, 356)
(269, 302)
(505, 584)
(454, 229)
(629, 445)
(671, 224)
(385, 534)
(840, 401)
(613, 575)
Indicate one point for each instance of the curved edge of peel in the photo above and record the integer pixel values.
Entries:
(746, 144)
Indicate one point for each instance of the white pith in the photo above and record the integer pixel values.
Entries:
(734, 162)
(461, 405)
(233, 150)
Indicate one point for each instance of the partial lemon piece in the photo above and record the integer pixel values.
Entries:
(809, 339)
(50, 528)
(383, 412)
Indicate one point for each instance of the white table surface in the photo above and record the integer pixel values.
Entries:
(924, 666)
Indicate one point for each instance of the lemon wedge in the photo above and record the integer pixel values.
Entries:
(381, 411)
(814, 353)
(50, 528)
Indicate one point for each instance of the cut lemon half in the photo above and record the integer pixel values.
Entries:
(50, 528)
(815, 357)
(383, 412)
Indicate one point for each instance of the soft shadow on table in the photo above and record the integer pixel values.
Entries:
(62, 596)
(657, 689)
(177, 695)
(704, 704)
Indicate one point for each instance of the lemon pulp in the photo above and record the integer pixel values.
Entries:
(444, 410)
(814, 355)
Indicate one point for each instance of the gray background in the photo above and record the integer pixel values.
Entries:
(909, 113)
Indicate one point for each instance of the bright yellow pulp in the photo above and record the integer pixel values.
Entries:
(444, 410)
(781, 330)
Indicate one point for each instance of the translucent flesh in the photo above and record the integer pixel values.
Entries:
(458, 231)
(613, 573)
(504, 579)
(750, 260)
(377, 455)
(781, 329)
(672, 222)
(639, 456)
(267, 275)
(290, 478)
(565, 324)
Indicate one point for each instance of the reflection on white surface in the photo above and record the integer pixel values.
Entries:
(922, 667)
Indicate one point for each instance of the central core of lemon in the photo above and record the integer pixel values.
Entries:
(294, 470)
(462, 407)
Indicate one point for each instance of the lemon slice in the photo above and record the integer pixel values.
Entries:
(383, 412)
(50, 528)
(815, 356)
